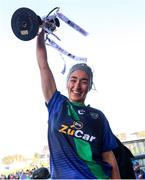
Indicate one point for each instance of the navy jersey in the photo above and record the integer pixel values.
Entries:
(77, 135)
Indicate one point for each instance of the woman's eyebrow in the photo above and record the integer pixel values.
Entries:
(75, 77)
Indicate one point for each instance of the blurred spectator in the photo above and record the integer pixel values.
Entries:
(139, 173)
(41, 173)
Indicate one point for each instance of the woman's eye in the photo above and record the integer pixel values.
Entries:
(84, 82)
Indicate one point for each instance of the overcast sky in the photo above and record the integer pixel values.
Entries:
(115, 51)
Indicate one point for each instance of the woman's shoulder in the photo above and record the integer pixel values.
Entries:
(92, 109)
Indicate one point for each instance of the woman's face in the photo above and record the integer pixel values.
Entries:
(78, 86)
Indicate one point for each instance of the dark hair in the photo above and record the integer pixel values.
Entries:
(41, 173)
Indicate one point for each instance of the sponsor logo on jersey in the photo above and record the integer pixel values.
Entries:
(76, 130)
(94, 115)
(81, 111)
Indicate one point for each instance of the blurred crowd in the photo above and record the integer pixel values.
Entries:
(35, 173)
(43, 173)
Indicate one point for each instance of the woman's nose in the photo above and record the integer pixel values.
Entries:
(77, 85)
